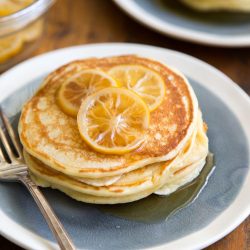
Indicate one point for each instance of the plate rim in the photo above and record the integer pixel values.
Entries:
(186, 242)
(147, 19)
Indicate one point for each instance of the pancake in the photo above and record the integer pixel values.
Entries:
(42, 181)
(79, 196)
(181, 177)
(39, 180)
(57, 142)
(98, 182)
(130, 183)
(166, 176)
(229, 5)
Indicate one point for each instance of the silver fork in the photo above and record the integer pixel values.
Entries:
(13, 168)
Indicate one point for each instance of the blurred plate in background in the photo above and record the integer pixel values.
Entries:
(174, 19)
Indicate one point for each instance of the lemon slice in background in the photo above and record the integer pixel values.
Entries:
(33, 31)
(8, 7)
(13, 44)
(113, 120)
(10, 46)
(75, 89)
(145, 82)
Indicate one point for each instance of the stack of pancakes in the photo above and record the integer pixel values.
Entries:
(173, 153)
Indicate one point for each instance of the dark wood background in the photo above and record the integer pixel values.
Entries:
(75, 22)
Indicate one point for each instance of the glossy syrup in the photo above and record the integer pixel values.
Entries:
(156, 208)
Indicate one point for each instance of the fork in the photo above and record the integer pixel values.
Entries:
(14, 168)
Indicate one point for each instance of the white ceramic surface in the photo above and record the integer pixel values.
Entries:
(210, 78)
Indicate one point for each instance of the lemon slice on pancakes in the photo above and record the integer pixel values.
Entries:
(113, 120)
(79, 86)
(145, 82)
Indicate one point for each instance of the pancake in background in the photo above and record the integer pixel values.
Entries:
(216, 5)
(58, 143)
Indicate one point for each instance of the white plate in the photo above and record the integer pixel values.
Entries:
(231, 31)
(86, 228)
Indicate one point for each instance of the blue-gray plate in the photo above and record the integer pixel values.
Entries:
(220, 207)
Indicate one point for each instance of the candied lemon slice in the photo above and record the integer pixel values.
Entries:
(75, 89)
(145, 82)
(113, 120)
(10, 46)
(33, 31)
(8, 7)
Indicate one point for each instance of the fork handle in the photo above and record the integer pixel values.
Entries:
(54, 224)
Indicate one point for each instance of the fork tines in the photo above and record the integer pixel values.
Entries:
(10, 149)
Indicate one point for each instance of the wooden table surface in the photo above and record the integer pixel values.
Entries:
(74, 22)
